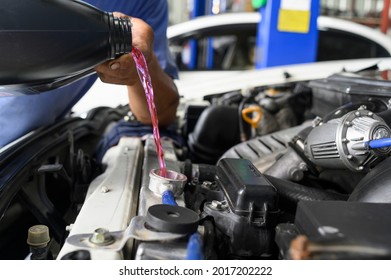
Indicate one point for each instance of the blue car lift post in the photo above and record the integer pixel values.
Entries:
(201, 8)
(287, 33)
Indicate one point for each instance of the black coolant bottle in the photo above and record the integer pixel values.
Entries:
(45, 44)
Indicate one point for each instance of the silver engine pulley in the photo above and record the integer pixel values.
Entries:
(342, 143)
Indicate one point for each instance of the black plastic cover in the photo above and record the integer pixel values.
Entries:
(354, 222)
(246, 189)
(340, 89)
(350, 83)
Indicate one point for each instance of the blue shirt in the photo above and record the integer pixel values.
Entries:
(22, 114)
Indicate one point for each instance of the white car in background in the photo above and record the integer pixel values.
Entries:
(234, 38)
(338, 40)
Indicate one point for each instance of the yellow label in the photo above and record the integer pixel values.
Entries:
(294, 21)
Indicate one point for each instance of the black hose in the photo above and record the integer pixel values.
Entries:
(207, 172)
(386, 116)
(374, 106)
(243, 134)
(291, 193)
(375, 186)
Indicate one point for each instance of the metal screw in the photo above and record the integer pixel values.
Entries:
(362, 107)
(206, 184)
(219, 205)
(101, 237)
(224, 204)
(195, 181)
(317, 121)
(296, 174)
(215, 205)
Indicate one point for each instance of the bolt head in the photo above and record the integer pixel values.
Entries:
(296, 174)
(362, 107)
(101, 237)
(219, 205)
(215, 204)
(360, 168)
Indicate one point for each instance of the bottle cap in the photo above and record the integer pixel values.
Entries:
(38, 236)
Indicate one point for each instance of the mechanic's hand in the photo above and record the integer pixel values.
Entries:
(123, 70)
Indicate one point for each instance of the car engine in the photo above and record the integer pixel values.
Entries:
(292, 171)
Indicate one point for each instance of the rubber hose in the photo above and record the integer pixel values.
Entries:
(195, 247)
(169, 198)
(386, 116)
(207, 172)
(346, 108)
(379, 143)
(243, 134)
(291, 193)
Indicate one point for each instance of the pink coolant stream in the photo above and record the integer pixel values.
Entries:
(145, 78)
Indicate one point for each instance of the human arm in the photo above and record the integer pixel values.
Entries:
(123, 71)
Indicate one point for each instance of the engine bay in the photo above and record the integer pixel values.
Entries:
(290, 171)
